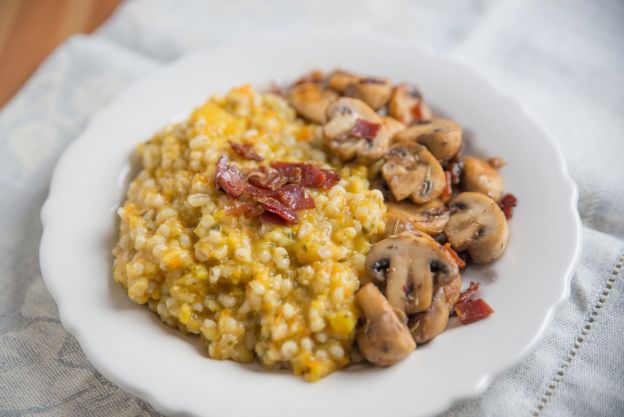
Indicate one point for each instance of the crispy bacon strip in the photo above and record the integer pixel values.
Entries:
(258, 194)
(268, 217)
(274, 206)
(311, 175)
(229, 178)
(331, 178)
(507, 204)
(365, 129)
(470, 311)
(271, 179)
(461, 264)
(473, 288)
(246, 150)
(279, 190)
(295, 197)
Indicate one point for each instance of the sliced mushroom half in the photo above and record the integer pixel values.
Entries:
(393, 125)
(412, 171)
(407, 106)
(410, 264)
(442, 137)
(477, 225)
(429, 324)
(384, 339)
(339, 80)
(373, 91)
(481, 177)
(310, 100)
(354, 130)
(429, 218)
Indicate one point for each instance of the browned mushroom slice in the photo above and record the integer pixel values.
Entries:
(442, 137)
(393, 125)
(411, 171)
(477, 225)
(429, 218)
(339, 80)
(310, 101)
(429, 324)
(354, 130)
(397, 223)
(481, 177)
(410, 264)
(373, 91)
(407, 106)
(384, 339)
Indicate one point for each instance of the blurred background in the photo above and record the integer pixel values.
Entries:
(31, 29)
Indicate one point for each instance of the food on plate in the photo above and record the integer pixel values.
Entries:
(411, 171)
(429, 218)
(373, 91)
(408, 266)
(384, 338)
(477, 225)
(311, 225)
(407, 105)
(442, 137)
(482, 177)
(310, 101)
(355, 131)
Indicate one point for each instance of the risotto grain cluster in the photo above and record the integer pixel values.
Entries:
(283, 293)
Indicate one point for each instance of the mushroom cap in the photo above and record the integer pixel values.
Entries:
(407, 105)
(412, 171)
(310, 100)
(343, 115)
(393, 125)
(443, 137)
(478, 225)
(428, 324)
(373, 91)
(384, 339)
(410, 264)
(339, 80)
(429, 218)
(481, 177)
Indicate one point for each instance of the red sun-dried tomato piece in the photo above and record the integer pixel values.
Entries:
(507, 204)
(470, 311)
(365, 129)
(246, 150)
(229, 178)
(274, 206)
(295, 197)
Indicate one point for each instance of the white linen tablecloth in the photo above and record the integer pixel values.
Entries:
(563, 59)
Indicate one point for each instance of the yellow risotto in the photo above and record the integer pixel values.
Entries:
(283, 293)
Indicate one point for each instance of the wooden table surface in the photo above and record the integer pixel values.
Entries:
(31, 29)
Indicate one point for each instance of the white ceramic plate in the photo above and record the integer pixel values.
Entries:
(133, 349)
